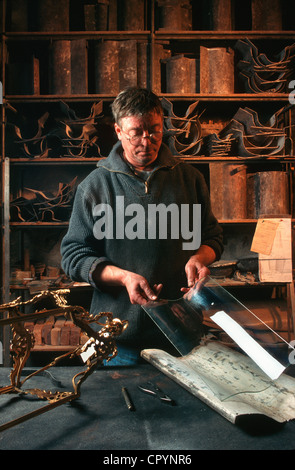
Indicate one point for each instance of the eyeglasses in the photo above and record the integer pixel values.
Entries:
(137, 138)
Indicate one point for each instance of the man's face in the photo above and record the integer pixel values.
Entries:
(141, 151)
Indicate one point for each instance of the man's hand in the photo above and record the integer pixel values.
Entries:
(195, 271)
(196, 267)
(137, 287)
(139, 290)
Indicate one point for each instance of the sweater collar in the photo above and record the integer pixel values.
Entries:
(114, 162)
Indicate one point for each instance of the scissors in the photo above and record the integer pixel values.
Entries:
(154, 390)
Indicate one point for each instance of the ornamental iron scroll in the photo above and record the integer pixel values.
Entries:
(100, 347)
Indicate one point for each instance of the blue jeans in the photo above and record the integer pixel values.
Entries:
(125, 357)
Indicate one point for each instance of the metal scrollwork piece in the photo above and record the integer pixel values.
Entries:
(100, 347)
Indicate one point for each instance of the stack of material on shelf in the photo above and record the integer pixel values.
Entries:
(130, 14)
(49, 15)
(215, 146)
(243, 270)
(160, 54)
(251, 138)
(266, 18)
(79, 136)
(220, 15)
(36, 146)
(222, 269)
(237, 194)
(259, 74)
(67, 59)
(40, 207)
(56, 332)
(228, 190)
(217, 70)
(181, 74)
(119, 64)
(52, 16)
(96, 15)
(246, 136)
(111, 15)
(38, 279)
(68, 64)
(175, 15)
(261, 188)
(182, 134)
(23, 72)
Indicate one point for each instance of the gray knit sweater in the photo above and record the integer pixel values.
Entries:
(112, 187)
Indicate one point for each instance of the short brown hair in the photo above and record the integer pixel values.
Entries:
(134, 101)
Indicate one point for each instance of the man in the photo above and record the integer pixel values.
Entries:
(116, 242)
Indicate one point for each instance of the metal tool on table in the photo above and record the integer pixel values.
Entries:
(155, 391)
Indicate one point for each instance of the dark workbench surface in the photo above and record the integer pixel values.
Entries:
(100, 420)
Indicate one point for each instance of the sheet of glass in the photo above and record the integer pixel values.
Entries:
(183, 321)
(212, 298)
(249, 345)
(179, 320)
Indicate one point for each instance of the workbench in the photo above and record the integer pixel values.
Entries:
(100, 419)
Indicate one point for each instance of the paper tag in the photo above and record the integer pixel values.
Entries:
(260, 356)
(88, 349)
(264, 236)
